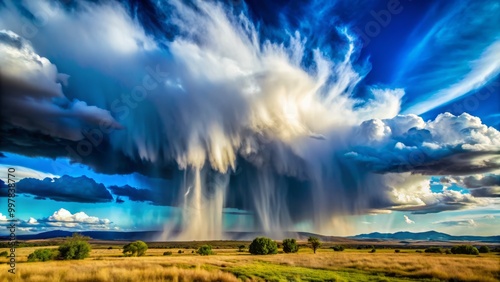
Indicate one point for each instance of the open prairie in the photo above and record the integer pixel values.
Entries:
(227, 264)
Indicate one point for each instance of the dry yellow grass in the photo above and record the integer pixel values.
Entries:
(108, 265)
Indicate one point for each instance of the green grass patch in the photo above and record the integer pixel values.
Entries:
(277, 273)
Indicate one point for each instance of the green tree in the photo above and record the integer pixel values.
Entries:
(137, 248)
(338, 248)
(75, 247)
(436, 250)
(241, 248)
(43, 255)
(484, 249)
(263, 246)
(464, 249)
(290, 246)
(315, 243)
(205, 250)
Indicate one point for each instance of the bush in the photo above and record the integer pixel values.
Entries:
(263, 246)
(241, 248)
(397, 251)
(75, 247)
(4, 254)
(137, 248)
(464, 249)
(373, 250)
(447, 251)
(482, 249)
(315, 243)
(180, 251)
(43, 255)
(110, 248)
(338, 248)
(167, 253)
(436, 250)
(290, 246)
(418, 251)
(205, 250)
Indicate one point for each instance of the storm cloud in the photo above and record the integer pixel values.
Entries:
(65, 189)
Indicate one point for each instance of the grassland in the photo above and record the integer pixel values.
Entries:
(230, 265)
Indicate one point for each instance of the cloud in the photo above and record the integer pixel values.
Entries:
(408, 220)
(481, 185)
(65, 189)
(484, 69)
(62, 219)
(32, 88)
(458, 222)
(446, 145)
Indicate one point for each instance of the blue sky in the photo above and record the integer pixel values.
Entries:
(335, 117)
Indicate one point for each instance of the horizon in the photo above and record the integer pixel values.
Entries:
(205, 118)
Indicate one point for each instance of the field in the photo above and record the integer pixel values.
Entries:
(228, 264)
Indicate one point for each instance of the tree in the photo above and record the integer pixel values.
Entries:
(290, 246)
(43, 255)
(75, 247)
(315, 243)
(205, 250)
(338, 248)
(436, 250)
(263, 246)
(484, 249)
(241, 248)
(137, 248)
(464, 249)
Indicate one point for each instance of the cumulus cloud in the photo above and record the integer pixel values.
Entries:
(408, 220)
(65, 189)
(62, 219)
(446, 145)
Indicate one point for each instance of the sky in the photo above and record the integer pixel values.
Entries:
(197, 118)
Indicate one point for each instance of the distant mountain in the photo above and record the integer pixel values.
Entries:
(154, 235)
(425, 236)
(99, 235)
(247, 236)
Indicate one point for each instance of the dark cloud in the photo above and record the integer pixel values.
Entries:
(65, 189)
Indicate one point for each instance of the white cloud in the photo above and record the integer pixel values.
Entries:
(483, 70)
(408, 220)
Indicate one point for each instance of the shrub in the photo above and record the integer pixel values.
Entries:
(4, 254)
(464, 249)
(263, 246)
(397, 251)
(447, 251)
(192, 252)
(43, 255)
(482, 249)
(180, 251)
(137, 248)
(290, 246)
(315, 243)
(338, 248)
(373, 250)
(75, 247)
(418, 251)
(167, 253)
(436, 250)
(241, 248)
(110, 248)
(205, 250)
